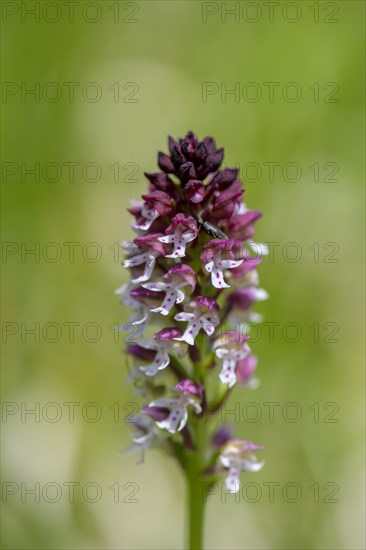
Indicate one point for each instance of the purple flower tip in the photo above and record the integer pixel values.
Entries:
(168, 334)
(245, 368)
(204, 302)
(229, 248)
(145, 295)
(183, 271)
(188, 387)
(156, 413)
(194, 191)
(150, 241)
(161, 201)
(243, 298)
(248, 265)
(141, 353)
(184, 221)
(222, 436)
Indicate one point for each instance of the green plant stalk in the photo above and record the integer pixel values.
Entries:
(195, 487)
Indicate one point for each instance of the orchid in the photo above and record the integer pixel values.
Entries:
(232, 348)
(236, 456)
(218, 255)
(143, 252)
(201, 313)
(161, 344)
(142, 435)
(173, 281)
(176, 414)
(192, 272)
(182, 231)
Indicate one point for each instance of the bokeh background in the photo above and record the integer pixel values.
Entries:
(149, 61)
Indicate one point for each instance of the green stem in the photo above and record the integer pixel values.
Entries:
(196, 513)
(178, 368)
(195, 485)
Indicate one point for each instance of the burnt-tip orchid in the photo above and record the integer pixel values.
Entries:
(192, 276)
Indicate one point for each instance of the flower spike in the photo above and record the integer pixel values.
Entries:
(192, 289)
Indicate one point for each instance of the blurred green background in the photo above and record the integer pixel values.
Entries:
(148, 61)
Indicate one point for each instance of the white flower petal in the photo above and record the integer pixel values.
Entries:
(166, 239)
(160, 310)
(260, 249)
(193, 328)
(183, 421)
(251, 466)
(179, 248)
(139, 317)
(180, 296)
(209, 266)
(149, 344)
(208, 327)
(174, 419)
(144, 226)
(225, 461)
(156, 287)
(188, 236)
(184, 316)
(260, 294)
(135, 260)
(197, 407)
(149, 268)
(221, 352)
(160, 362)
(232, 482)
(230, 264)
(122, 289)
(164, 402)
(227, 374)
(217, 278)
(168, 303)
(150, 370)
